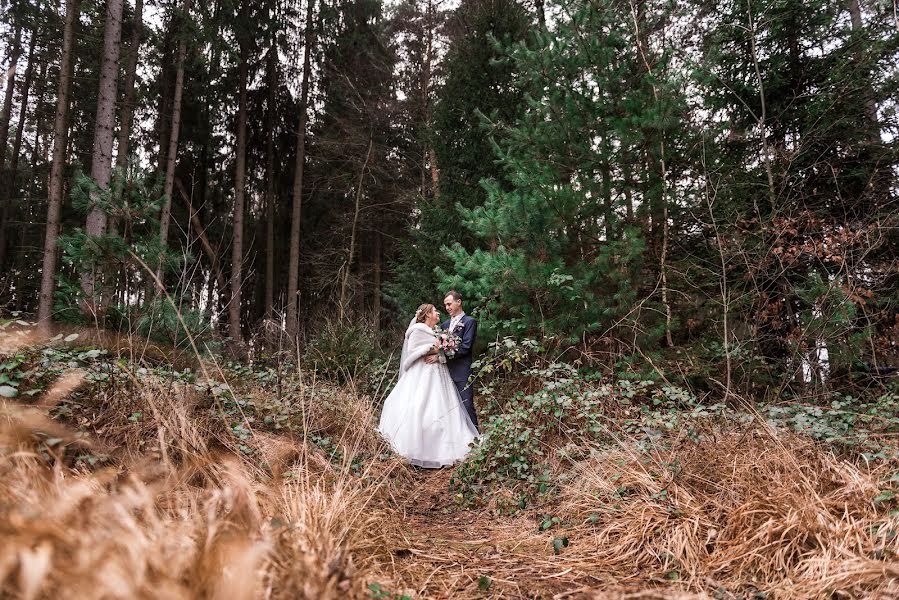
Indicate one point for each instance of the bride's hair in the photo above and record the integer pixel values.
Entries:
(422, 313)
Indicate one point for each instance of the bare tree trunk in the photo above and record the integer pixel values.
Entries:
(293, 272)
(431, 156)
(855, 17)
(352, 250)
(171, 155)
(638, 15)
(6, 115)
(763, 134)
(9, 185)
(608, 208)
(127, 114)
(376, 284)
(239, 194)
(101, 155)
(21, 256)
(270, 186)
(123, 141)
(60, 141)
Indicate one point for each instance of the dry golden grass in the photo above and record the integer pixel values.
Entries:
(751, 508)
(180, 512)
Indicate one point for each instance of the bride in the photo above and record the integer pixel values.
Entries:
(423, 417)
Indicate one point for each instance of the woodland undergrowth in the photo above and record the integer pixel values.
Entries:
(124, 477)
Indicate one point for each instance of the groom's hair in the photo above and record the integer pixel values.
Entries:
(456, 295)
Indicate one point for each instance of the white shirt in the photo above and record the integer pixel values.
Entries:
(455, 320)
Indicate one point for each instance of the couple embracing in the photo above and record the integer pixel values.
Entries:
(429, 417)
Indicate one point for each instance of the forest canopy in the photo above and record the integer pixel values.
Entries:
(628, 178)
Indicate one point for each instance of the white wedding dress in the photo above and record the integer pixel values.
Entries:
(423, 417)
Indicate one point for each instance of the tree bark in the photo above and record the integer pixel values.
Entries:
(171, 156)
(21, 256)
(9, 184)
(127, 114)
(101, 156)
(855, 17)
(376, 284)
(239, 194)
(293, 272)
(270, 186)
(659, 213)
(352, 250)
(430, 155)
(6, 115)
(60, 139)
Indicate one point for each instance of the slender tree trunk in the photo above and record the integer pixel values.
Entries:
(123, 141)
(6, 115)
(431, 156)
(101, 156)
(608, 208)
(270, 186)
(855, 17)
(171, 156)
(60, 141)
(22, 255)
(293, 272)
(376, 284)
(658, 220)
(239, 194)
(352, 250)
(628, 185)
(127, 114)
(9, 185)
(763, 126)
(540, 7)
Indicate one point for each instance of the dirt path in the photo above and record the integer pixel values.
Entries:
(450, 552)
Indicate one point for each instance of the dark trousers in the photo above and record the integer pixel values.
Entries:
(467, 393)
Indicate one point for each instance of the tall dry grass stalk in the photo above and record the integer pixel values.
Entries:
(179, 512)
(751, 509)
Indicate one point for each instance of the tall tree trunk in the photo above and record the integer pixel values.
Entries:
(9, 184)
(293, 272)
(855, 18)
(6, 115)
(127, 114)
(60, 141)
(21, 256)
(101, 156)
(430, 157)
(270, 185)
(376, 284)
(608, 207)
(659, 213)
(352, 250)
(171, 155)
(239, 193)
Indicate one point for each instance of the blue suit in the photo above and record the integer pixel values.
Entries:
(459, 366)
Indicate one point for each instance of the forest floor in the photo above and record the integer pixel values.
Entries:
(120, 479)
(461, 551)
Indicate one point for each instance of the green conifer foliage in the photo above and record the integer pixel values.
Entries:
(476, 83)
(563, 234)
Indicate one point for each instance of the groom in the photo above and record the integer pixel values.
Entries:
(460, 365)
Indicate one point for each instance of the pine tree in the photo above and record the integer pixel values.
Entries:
(48, 273)
(101, 158)
(474, 83)
(558, 253)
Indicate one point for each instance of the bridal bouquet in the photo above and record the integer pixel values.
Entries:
(447, 344)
